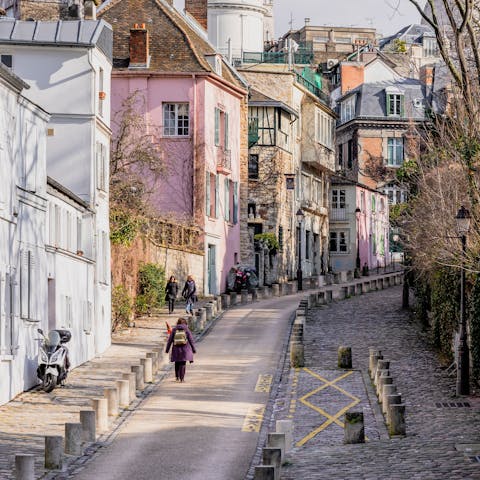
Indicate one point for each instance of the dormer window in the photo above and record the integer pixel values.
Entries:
(348, 109)
(215, 62)
(395, 102)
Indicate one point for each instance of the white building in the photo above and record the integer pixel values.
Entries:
(22, 225)
(68, 66)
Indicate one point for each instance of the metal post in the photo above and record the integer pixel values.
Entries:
(463, 364)
(299, 269)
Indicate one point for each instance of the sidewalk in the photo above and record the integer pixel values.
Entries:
(442, 440)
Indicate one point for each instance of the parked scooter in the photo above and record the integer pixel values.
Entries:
(53, 363)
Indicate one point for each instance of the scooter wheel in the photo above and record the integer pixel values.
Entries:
(49, 382)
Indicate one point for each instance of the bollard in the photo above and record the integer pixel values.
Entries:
(160, 352)
(208, 311)
(233, 298)
(138, 371)
(312, 300)
(73, 439)
(289, 288)
(275, 290)
(244, 296)
(395, 399)
(123, 387)
(329, 296)
(225, 300)
(88, 421)
(359, 289)
(389, 389)
(352, 290)
(354, 431)
(381, 365)
(372, 352)
(277, 440)
(147, 369)
(380, 285)
(25, 467)
(218, 300)
(366, 287)
(130, 377)
(111, 393)
(100, 407)
(380, 373)
(376, 358)
(273, 456)
(213, 303)
(286, 427)
(344, 357)
(397, 419)
(254, 295)
(386, 282)
(321, 298)
(154, 355)
(297, 355)
(202, 318)
(343, 294)
(264, 472)
(53, 452)
(382, 381)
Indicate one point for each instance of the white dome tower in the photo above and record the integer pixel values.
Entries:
(239, 23)
(268, 22)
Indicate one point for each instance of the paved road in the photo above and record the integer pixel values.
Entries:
(208, 426)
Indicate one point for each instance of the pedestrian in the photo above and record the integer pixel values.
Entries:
(171, 292)
(189, 293)
(183, 348)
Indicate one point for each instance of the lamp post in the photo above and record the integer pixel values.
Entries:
(300, 216)
(395, 239)
(357, 263)
(463, 361)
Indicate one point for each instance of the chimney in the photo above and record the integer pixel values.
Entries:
(139, 47)
(307, 22)
(352, 74)
(198, 10)
(90, 10)
(426, 75)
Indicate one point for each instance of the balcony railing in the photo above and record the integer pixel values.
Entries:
(311, 87)
(339, 214)
(224, 161)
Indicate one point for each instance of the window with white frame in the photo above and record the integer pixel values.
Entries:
(430, 47)
(339, 241)
(324, 128)
(347, 109)
(176, 120)
(338, 198)
(395, 152)
(395, 193)
(6, 312)
(395, 102)
(221, 128)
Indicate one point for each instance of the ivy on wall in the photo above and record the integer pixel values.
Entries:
(474, 316)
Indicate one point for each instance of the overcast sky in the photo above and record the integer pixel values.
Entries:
(387, 16)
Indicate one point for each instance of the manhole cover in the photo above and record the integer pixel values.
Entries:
(452, 405)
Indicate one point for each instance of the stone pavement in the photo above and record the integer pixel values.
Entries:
(439, 438)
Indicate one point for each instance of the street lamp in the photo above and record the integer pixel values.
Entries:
(300, 216)
(463, 362)
(357, 215)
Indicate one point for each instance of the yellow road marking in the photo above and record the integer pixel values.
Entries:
(253, 419)
(264, 383)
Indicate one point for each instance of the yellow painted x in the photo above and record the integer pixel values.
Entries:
(330, 418)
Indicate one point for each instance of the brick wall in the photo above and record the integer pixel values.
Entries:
(198, 10)
(43, 10)
(139, 45)
(352, 75)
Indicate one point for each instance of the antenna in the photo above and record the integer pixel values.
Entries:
(291, 21)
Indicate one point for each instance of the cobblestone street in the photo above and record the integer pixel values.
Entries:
(439, 438)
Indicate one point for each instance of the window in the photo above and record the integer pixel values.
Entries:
(347, 109)
(338, 198)
(212, 197)
(306, 181)
(102, 257)
(430, 47)
(252, 210)
(253, 166)
(235, 202)
(395, 194)
(7, 60)
(324, 128)
(307, 245)
(175, 119)
(320, 39)
(339, 241)
(395, 152)
(221, 128)
(102, 167)
(350, 154)
(340, 156)
(6, 313)
(394, 104)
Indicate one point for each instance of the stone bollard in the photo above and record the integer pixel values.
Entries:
(208, 311)
(53, 452)
(343, 293)
(386, 282)
(218, 299)
(337, 278)
(395, 399)
(138, 371)
(123, 387)
(277, 440)
(88, 421)
(380, 285)
(132, 387)
(382, 381)
(273, 456)
(25, 467)
(153, 356)
(397, 419)
(73, 439)
(366, 287)
(359, 289)
(381, 365)
(372, 352)
(297, 355)
(254, 295)
(321, 298)
(202, 318)
(286, 427)
(328, 296)
(213, 303)
(376, 358)
(192, 322)
(354, 431)
(373, 285)
(352, 290)
(344, 357)
(389, 389)
(263, 472)
(275, 290)
(244, 296)
(147, 369)
(160, 352)
(100, 407)
(225, 300)
(233, 299)
(380, 373)
(111, 393)
(312, 300)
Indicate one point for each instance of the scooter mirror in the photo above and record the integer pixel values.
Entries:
(40, 331)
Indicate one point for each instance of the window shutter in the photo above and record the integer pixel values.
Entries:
(217, 196)
(388, 103)
(79, 234)
(207, 194)
(402, 106)
(24, 282)
(227, 199)
(235, 202)
(217, 126)
(226, 132)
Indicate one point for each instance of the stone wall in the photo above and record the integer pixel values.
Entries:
(43, 10)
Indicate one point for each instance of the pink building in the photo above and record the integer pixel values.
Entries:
(195, 105)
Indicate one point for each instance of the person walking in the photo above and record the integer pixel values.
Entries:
(189, 293)
(183, 348)
(171, 292)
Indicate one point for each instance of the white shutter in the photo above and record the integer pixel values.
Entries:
(33, 277)
(87, 315)
(105, 257)
(24, 282)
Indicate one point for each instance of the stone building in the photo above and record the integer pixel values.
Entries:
(50, 9)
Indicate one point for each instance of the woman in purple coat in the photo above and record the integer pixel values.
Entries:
(183, 348)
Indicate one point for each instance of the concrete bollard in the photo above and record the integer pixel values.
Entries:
(386, 282)
(213, 303)
(395, 399)
(380, 284)
(233, 299)
(225, 300)
(275, 290)
(312, 300)
(344, 357)
(218, 299)
(376, 358)
(138, 371)
(354, 431)
(381, 365)
(111, 393)
(389, 389)
(100, 407)
(88, 421)
(352, 290)
(366, 287)
(153, 356)
(343, 293)
(337, 278)
(132, 387)
(73, 439)
(25, 467)
(244, 297)
(254, 295)
(297, 355)
(202, 318)
(263, 472)
(147, 369)
(372, 352)
(359, 289)
(397, 425)
(53, 452)
(286, 427)
(382, 381)
(329, 296)
(273, 456)
(373, 285)
(379, 373)
(277, 440)
(208, 311)
(321, 298)
(123, 387)
(160, 353)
